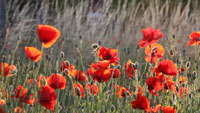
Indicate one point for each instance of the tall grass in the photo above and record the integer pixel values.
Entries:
(112, 24)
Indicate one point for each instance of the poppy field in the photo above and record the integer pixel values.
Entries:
(165, 82)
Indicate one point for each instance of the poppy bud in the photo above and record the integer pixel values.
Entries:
(18, 38)
(62, 54)
(80, 37)
(112, 108)
(190, 96)
(137, 47)
(95, 45)
(119, 66)
(173, 36)
(187, 65)
(124, 50)
(99, 42)
(136, 65)
(66, 71)
(78, 92)
(154, 49)
(183, 85)
(171, 52)
(67, 63)
(4, 59)
(128, 51)
(127, 93)
(184, 53)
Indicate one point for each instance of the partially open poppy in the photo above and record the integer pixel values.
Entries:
(57, 81)
(71, 70)
(154, 84)
(79, 90)
(33, 53)
(115, 73)
(166, 67)
(129, 69)
(150, 36)
(8, 70)
(47, 97)
(168, 83)
(168, 109)
(182, 91)
(80, 76)
(92, 88)
(48, 35)
(154, 52)
(108, 54)
(122, 91)
(194, 38)
(156, 108)
(24, 96)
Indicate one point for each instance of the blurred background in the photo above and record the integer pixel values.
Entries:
(111, 22)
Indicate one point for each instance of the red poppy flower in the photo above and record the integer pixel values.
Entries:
(47, 97)
(168, 109)
(70, 68)
(182, 91)
(57, 81)
(166, 67)
(168, 83)
(150, 36)
(141, 102)
(154, 84)
(154, 52)
(24, 95)
(48, 35)
(100, 72)
(33, 53)
(115, 73)
(93, 89)
(80, 76)
(108, 54)
(8, 70)
(2, 102)
(129, 69)
(79, 90)
(194, 38)
(122, 91)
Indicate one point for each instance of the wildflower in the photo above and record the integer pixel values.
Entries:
(166, 67)
(57, 81)
(19, 110)
(154, 52)
(24, 95)
(8, 70)
(47, 97)
(168, 109)
(48, 35)
(80, 76)
(194, 38)
(182, 80)
(150, 36)
(141, 101)
(122, 91)
(33, 53)
(182, 91)
(115, 73)
(168, 83)
(100, 71)
(129, 69)
(79, 90)
(92, 88)
(108, 54)
(154, 84)
(69, 67)
(156, 108)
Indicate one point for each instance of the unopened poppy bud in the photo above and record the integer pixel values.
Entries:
(119, 66)
(124, 50)
(4, 58)
(66, 71)
(154, 49)
(78, 92)
(190, 96)
(138, 47)
(194, 73)
(67, 63)
(112, 108)
(127, 93)
(187, 65)
(80, 37)
(183, 85)
(128, 51)
(173, 36)
(184, 53)
(136, 65)
(76, 46)
(99, 42)
(62, 54)
(171, 52)
(109, 92)
(95, 45)
(18, 38)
